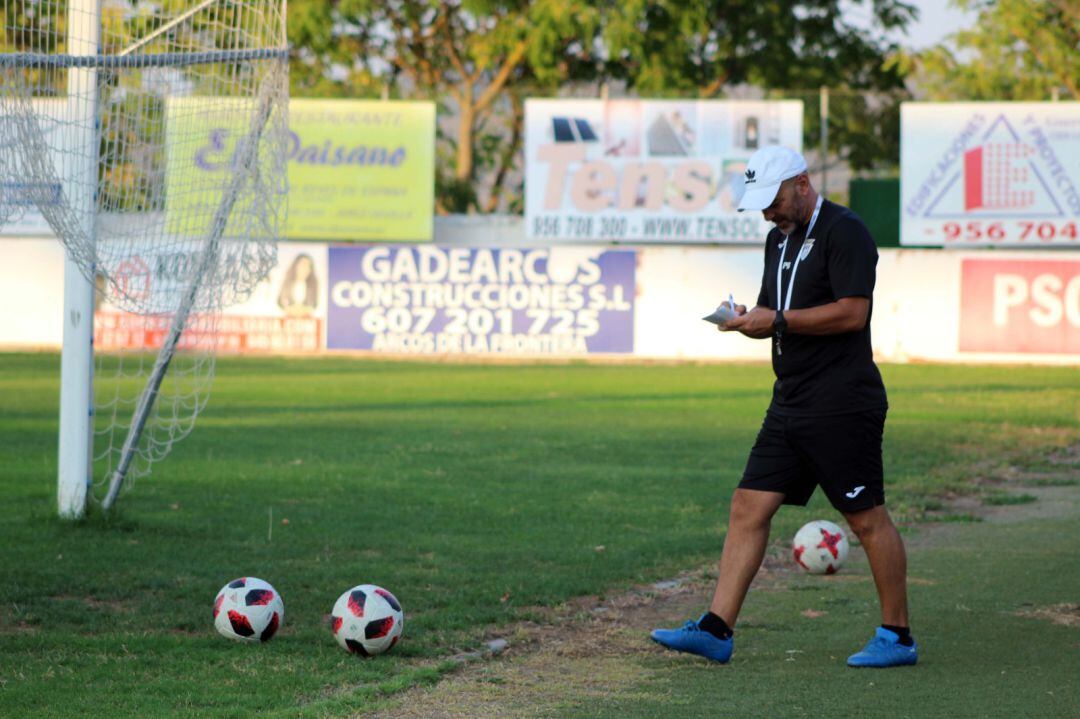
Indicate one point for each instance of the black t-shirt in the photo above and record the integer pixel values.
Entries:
(824, 374)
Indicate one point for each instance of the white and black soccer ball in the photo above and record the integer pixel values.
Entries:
(367, 620)
(820, 547)
(248, 610)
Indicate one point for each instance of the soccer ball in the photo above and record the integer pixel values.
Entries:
(820, 547)
(367, 620)
(248, 610)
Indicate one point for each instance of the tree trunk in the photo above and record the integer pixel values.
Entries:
(510, 150)
(467, 118)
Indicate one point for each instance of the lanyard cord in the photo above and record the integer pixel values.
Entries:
(780, 266)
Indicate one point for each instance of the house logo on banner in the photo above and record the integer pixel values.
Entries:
(439, 300)
(979, 173)
(998, 175)
(134, 278)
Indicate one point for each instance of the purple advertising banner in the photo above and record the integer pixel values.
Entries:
(458, 300)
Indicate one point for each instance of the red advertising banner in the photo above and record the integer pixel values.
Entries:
(228, 333)
(1026, 306)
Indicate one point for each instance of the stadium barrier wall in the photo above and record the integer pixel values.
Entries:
(1020, 306)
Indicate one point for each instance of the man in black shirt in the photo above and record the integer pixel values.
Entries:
(827, 416)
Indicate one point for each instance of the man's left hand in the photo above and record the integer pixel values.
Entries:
(757, 323)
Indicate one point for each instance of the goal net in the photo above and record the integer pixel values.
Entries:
(151, 138)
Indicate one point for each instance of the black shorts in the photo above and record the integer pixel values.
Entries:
(841, 453)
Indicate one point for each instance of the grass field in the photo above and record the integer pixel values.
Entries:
(482, 495)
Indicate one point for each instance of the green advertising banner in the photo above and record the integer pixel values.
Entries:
(358, 170)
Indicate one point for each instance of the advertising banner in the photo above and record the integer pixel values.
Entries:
(1028, 306)
(456, 300)
(357, 169)
(285, 313)
(653, 171)
(990, 173)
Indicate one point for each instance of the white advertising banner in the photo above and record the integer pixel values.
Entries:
(978, 307)
(647, 170)
(990, 173)
(285, 313)
(1016, 306)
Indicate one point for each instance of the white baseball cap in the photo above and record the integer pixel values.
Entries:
(767, 168)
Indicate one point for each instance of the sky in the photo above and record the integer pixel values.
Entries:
(937, 19)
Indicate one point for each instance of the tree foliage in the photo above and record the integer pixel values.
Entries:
(1016, 50)
(480, 58)
(700, 48)
(475, 57)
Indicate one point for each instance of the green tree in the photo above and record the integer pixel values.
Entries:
(479, 59)
(1016, 50)
(700, 48)
(25, 28)
(676, 47)
(465, 54)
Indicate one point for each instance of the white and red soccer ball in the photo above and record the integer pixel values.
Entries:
(367, 620)
(248, 610)
(820, 547)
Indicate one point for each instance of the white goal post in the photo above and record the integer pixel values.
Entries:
(76, 441)
(101, 105)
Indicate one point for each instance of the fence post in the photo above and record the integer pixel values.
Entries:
(824, 108)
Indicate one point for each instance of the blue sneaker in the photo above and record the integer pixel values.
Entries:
(692, 639)
(884, 650)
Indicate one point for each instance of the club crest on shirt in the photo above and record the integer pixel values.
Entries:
(805, 249)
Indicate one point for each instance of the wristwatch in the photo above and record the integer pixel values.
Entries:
(779, 324)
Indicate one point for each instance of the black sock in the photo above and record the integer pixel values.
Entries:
(903, 632)
(716, 626)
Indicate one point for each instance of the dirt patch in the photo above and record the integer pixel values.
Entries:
(19, 628)
(1066, 615)
(1068, 456)
(90, 602)
(579, 651)
(1012, 492)
(1051, 502)
(585, 649)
